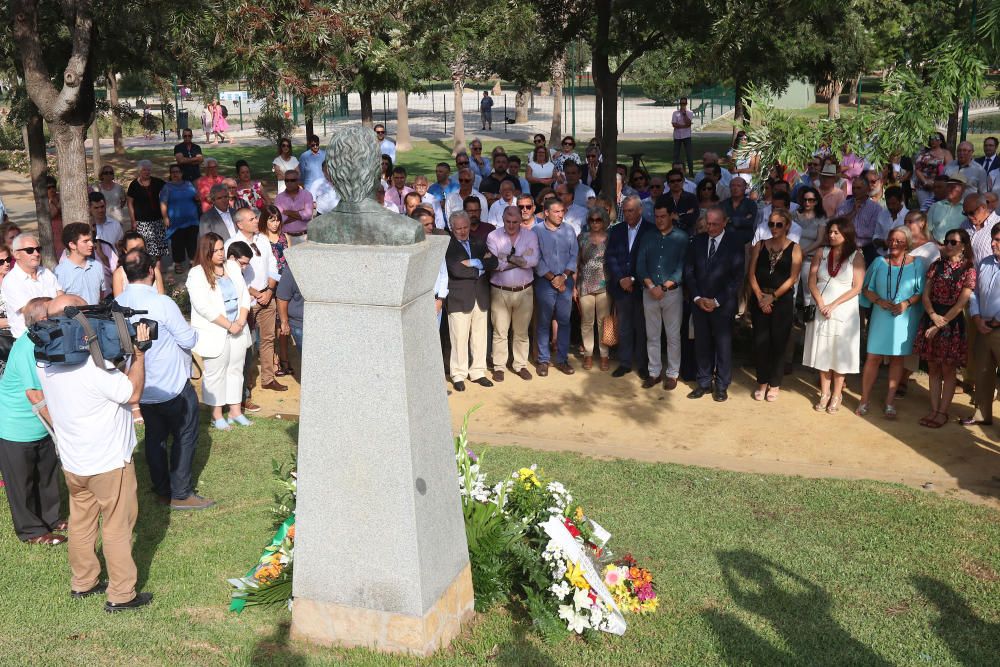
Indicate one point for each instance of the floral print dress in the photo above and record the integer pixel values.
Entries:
(949, 345)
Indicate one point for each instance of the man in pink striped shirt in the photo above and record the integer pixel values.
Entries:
(296, 206)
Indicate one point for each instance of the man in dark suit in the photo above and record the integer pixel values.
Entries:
(219, 218)
(468, 301)
(990, 162)
(713, 273)
(620, 258)
(683, 206)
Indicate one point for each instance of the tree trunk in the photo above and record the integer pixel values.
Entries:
(72, 160)
(598, 112)
(95, 153)
(402, 121)
(116, 122)
(367, 117)
(34, 144)
(521, 104)
(853, 86)
(952, 137)
(607, 87)
(558, 78)
(458, 69)
(307, 111)
(836, 86)
(740, 115)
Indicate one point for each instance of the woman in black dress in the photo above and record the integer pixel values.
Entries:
(774, 267)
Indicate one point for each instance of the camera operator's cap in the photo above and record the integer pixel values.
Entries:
(958, 178)
(829, 170)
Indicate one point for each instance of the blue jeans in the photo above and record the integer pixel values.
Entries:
(553, 304)
(296, 335)
(178, 417)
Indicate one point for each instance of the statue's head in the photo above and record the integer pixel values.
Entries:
(353, 162)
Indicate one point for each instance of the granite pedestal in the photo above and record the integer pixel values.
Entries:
(380, 555)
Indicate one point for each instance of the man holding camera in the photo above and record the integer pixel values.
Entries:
(90, 414)
(169, 404)
(28, 458)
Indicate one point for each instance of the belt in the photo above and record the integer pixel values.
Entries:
(514, 289)
(302, 233)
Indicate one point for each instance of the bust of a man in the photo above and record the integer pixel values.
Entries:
(352, 167)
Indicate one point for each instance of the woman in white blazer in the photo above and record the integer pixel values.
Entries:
(220, 304)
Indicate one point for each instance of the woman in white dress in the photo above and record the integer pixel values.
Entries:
(284, 162)
(833, 337)
(541, 172)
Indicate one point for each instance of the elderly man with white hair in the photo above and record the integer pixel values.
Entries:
(976, 179)
(27, 280)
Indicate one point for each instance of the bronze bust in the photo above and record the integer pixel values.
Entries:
(352, 167)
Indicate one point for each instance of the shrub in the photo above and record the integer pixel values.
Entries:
(271, 122)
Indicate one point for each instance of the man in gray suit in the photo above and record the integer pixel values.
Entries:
(219, 218)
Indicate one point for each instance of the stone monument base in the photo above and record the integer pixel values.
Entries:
(333, 624)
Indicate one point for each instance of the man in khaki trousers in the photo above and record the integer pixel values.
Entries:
(511, 293)
(468, 261)
(89, 408)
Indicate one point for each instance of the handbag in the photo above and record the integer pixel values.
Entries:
(609, 330)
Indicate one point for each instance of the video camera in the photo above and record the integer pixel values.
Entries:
(101, 332)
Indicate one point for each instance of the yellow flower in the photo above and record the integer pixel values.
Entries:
(529, 478)
(579, 513)
(575, 576)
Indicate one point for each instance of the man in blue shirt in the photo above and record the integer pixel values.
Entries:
(660, 268)
(28, 458)
(77, 272)
(168, 403)
(311, 165)
(555, 273)
(984, 310)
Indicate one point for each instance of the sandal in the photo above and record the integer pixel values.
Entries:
(834, 405)
(934, 423)
(824, 402)
(889, 411)
(221, 424)
(759, 395)
(862, 409)
(928, 419)
(772, 394)
(50, 539)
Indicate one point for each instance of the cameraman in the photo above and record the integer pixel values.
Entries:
(169, 404)
(28, 458)
(96, 438)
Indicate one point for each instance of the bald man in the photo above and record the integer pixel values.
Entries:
(976, 179)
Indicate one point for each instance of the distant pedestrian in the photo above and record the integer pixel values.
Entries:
(486, 110)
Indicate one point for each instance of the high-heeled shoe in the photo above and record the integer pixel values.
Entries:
(824, 402)
(834, 405)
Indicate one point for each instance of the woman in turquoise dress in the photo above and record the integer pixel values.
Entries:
(893, 287)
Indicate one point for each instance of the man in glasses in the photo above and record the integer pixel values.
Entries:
(947, 213)
(463, 161)
(386, 146)
(682, 119)
(27, 280)
(512, 292)
(683, 206)
(444, 185)
(976, 179)
(466, 188)
(508, 199)
(479, 163)
(740, 210)
(311, 163)
(296, 206)
(980, 219)
(984, 310)
(188, 156)
(422, 188)
(810, 179)
(526, 208)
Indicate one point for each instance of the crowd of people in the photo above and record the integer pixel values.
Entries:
(658, 275)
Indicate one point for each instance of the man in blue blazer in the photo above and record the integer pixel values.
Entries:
(620, 259)
(990, 160)
(713, 273)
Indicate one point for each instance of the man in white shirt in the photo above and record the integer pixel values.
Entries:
(261, 277)
(422, 187)
(77, 272)
(583, 195)
(105, 228)
(386, 145)
(779, 200)
(575, 215)
(893, 216)
(682, 120)
(219, 218)
(976, 179)
(689, 185)
(455, 200)
(89, 407)
(507, 198)
(26, 280)
(708, 158)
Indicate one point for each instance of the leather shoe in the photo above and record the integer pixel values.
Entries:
(101, 587)
(605, 363)
(483, 382)
(524, 374)
(650, 382)
(588, 363)
(48, 539)
(698, 392)
(669, 384)
(565, 368)
(459, 386)
(620, 371)
(140, 600)
(192, 502)
(498, 376)
(274, 385)
(250, 406)
(60, 526)
(719, 395)
(543, 369)
(972, 421)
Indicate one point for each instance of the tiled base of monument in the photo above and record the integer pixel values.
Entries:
(339, 625)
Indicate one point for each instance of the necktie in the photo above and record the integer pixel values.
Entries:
(711, 248)
(986, 164)
(468, 249)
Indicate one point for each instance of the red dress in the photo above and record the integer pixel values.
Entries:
(949, 346)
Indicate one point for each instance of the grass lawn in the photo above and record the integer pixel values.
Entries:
(750, 569)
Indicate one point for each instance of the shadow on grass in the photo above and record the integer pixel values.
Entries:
(796, 609)
(276, 649)
(971, 640)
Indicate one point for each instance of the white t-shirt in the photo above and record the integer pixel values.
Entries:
(541, 170)
(90, 416)
(680, 117)
(284, 165)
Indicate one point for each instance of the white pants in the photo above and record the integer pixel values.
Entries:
(468, 330)
(666, 313)
(223, 381)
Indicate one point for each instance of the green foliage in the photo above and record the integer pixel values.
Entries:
(666, 74)
(11, 138)
(271, 122)
(490, 536)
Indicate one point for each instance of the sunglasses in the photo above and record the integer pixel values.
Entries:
(775, 225)
(313, 145)
(526, 207)
(286, 145)
(676, 180)
(812, 199)
(291, 180)
(465, 180)
(8, 260)
(568, 143)
(462, 164)
(379, 131)
(595, 220)
(952, 242)
(31, 250)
